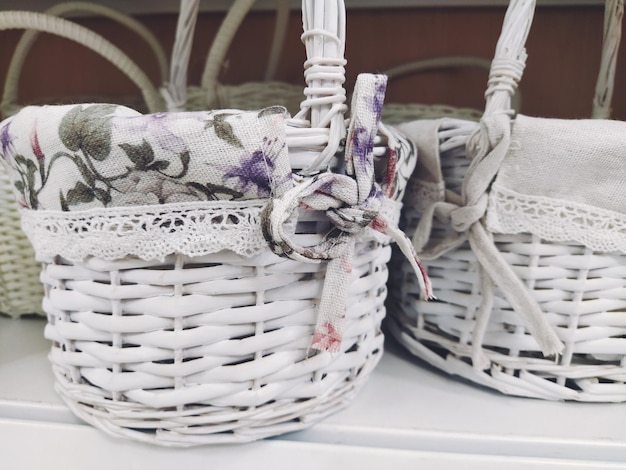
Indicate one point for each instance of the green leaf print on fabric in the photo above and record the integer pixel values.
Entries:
(223, 129)
(142, 156)
(79, 194)
(87, 156)
(88, 129)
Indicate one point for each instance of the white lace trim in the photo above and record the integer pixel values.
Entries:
(154, 232)
(556, 220)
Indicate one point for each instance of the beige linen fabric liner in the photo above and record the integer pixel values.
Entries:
(563, 180)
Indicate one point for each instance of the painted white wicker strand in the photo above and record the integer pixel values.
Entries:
(175, 90)
(613, 15)
(581, 291)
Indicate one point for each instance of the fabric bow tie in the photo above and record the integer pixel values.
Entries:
(352, 201)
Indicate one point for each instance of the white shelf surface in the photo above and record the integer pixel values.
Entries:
(406, 414)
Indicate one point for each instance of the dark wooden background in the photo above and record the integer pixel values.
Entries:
(564, 53)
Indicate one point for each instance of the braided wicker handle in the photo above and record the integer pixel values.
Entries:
(315, 132)
(510, 57)
(324, 24)
(51, 24)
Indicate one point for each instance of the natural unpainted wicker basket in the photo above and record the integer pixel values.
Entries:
(220, 347)
(581, 292)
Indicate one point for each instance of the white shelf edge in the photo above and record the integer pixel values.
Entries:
(65, 447)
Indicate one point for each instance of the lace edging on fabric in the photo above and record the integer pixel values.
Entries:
(556, 220)
(154, 232)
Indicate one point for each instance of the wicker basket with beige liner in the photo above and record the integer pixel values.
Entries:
(209, 278)
(524, 242)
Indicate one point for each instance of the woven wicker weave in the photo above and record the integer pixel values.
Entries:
(580, 291)
(220, 347)
(234, 373)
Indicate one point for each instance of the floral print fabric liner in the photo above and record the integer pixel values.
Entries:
(80, 157)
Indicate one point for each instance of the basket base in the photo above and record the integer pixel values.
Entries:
(208, 350)
(208, 424)
(529, 379)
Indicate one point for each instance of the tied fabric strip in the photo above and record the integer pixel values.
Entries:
(352, 202)
(489, 145)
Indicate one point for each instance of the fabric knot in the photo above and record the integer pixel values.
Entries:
(488, 148)
(351, 219)
(334, 194)
(484, 138)
(463, 217)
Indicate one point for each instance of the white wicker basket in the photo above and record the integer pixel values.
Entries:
(574, 301)
(178, 324)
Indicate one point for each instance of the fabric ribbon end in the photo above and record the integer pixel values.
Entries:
(406, 247)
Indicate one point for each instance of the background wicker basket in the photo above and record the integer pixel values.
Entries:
(223, 347)
(580, 291)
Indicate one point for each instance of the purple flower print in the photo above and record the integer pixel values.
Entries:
(257, 171)
(379, 97)
(362, 145)
(156, 125)
(6, 141)
(254, 171)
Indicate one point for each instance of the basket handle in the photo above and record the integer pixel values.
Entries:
(324, 25)
(613, 15)
(224, 38)
(324, 104)
(510, 57)
(175, 90)
(51, 24)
